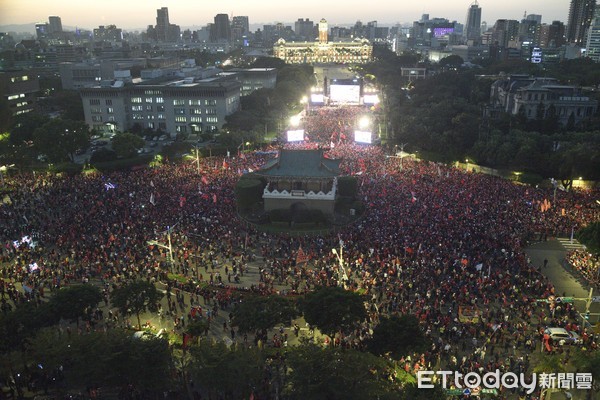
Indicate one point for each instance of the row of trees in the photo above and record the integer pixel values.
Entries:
(443, 114)
(117, 359)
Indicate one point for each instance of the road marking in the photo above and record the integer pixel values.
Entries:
(574, 245)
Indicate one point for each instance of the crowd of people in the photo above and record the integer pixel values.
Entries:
(586, 264)
(432, 239)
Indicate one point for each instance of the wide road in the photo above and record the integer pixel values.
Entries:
(567, 281)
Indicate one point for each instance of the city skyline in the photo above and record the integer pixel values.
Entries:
(139, 14)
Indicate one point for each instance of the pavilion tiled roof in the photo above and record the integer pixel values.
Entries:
(301, 163)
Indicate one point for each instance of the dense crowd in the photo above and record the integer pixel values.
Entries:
(433, 238)
(586, 263)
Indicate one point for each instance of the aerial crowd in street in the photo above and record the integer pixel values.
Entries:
(433, 239)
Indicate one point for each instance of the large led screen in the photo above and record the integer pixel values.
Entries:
(362, 137)
(295, 135)
(345, 94)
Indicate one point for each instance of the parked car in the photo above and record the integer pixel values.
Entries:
(562, 336)
(162, 138)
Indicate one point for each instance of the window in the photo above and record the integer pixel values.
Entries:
(136, 108)
(96, 118)
(181, 128)
(211, 111)
(148, 99)
(94, 102)
(148, 108)
(195, 102)
(178, 102)
(96, 110)
(210, 102)
(179, 111)
(111, 118)
(136, 99)
(137, 116)
(151, 125)
(180, 119)
(108, 102)
(195, 119)
(196, 111)
(160, 108)
(110, 110)
(160, 100)
(212, 119)
(160, 116)
(162, 125)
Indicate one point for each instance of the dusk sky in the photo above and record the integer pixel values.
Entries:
(129, 14)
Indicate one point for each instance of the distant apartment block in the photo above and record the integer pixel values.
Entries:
(19, 89)
(172, 105)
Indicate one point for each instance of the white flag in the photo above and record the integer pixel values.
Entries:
(152, 199)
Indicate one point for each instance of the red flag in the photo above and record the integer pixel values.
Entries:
(301, 256)
(186, 339)
(182, 201)
(215, 198)
(225, 164)
(204, 180)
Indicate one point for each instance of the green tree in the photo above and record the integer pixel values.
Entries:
(76, 301)
(398, 336)
(452, 61)
(126, 145)
(58, 139)
(550, 363)
(258, 312)
(136, 297)
(248, 192)
(112, 359)
(332, 309)
(197, 327)
(229, 373)
(590, 236)
(336, 373)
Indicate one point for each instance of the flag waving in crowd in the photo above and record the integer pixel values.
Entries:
(301, 256)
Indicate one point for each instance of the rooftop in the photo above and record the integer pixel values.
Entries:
(302, 163)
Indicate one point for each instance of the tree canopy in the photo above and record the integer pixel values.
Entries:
(258, 312)
(332, 309)
(135, 298)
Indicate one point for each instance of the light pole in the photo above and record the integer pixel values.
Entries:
(197, 159)
(169, 247)
(342, 277)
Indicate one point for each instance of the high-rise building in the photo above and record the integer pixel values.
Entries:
(534, 17)
(221, 31)
(240, 28)
(162, 24)
(304, 29)
(19, 89)
(473, 25)
(41, 30)
(323, 31)
(505, 31)
(581, 13)
(592, 46)
(550, 36)
(54, 25)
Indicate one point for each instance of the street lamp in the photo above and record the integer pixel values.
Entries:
(295, 121)
(169, 247)
(342, 277)
(364, 122)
